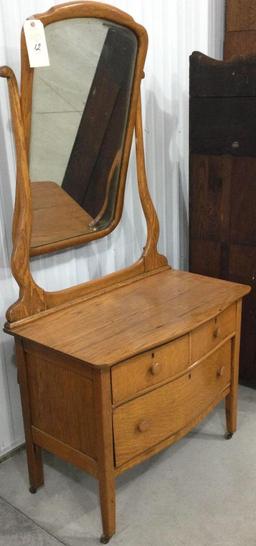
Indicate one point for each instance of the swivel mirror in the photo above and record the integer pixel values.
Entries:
(78, 116)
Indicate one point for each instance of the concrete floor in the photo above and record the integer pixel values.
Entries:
(200, 492)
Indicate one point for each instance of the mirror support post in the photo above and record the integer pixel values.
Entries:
(30, 293)
(152, 259)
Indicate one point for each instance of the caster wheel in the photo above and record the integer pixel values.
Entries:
(104, 539)
(228, 435)
(32, 490)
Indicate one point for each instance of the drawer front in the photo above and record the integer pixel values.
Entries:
(150, 368)
(144, 422)
(209, 335)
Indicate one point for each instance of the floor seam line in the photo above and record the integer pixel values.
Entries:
(31, 519)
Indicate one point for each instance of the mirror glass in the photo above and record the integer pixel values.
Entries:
(80, 107)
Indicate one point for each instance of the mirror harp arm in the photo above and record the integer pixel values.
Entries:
(31, 296)
(152, 259)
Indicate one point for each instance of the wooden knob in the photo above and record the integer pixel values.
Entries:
(143, 426)
(216, 332)
(220, 371)
(155, 368)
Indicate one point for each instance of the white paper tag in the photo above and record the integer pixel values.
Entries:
(36, 43)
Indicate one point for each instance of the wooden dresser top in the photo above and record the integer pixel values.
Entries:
(133, 318)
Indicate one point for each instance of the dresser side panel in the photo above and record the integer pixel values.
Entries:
(61, 401)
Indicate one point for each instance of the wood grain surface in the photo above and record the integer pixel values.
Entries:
(240, 15)
(240, 35)
(240, 43)
(174, 437)
(134, 318)
(62, 404)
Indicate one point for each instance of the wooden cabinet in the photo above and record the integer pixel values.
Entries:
(109, 392)
(222, 182)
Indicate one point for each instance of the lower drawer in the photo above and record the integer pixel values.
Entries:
(144, 422)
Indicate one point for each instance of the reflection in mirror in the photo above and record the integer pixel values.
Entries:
(80, 106)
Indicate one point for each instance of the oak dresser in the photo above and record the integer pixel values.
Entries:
(115, 369)
(108, 382)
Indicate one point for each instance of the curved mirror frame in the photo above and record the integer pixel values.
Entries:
(98, 227)
(34, 300)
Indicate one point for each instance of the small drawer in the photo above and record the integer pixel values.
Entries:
(150, 368)
(209, 335)
(144, 422)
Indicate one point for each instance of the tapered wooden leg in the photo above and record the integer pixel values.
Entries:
(108, 509)
(34, 458)
(105, 454)
(231, 399)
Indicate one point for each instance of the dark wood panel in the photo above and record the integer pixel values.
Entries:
(210, 196)
(240, 39)
(227, 126)
(242, 263)
(243, 200)
(240, 15)
(62, 403)
(239, 43)
(222, 122)
(248, 340)
(247, 374)
(211, 78)
(205, 257)
(242, 268)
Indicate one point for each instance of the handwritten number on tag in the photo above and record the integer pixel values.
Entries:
(36, 43)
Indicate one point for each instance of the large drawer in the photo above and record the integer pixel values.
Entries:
(145, 421)
(209, 335)
(150, 368)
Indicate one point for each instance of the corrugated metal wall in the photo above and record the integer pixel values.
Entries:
(175, 28)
